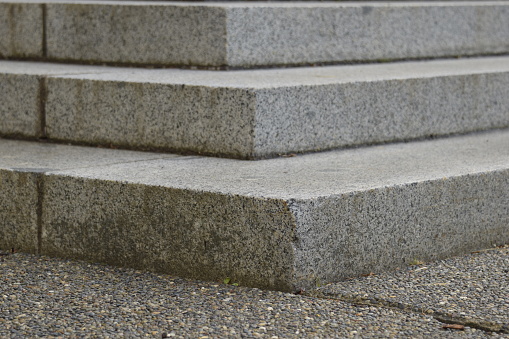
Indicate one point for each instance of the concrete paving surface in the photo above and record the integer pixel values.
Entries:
(43, 297)
(473, 289)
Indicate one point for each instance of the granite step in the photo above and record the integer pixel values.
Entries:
(253, 114)
(249, 34)
(285, 223)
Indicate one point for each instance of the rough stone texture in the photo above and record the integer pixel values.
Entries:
(172, 117)
(42, 157)
(22, 167)
(388, 227)
(473, 288)
(254, 34)
(21, 30)
(18, 212)
(188, 233)
(317, 33)
(137, 33)
(256, 114)
(20, 111)
(22, 93)
(300, 119)
(284, 223)
(356, 211)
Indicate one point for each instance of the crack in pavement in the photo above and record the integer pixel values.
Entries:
(443, 317)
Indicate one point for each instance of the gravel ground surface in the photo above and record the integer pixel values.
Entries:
(473, 287)
(43, 297)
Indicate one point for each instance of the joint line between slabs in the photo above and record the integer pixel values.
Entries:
(39, 209)
(44, 39)
(43, 94)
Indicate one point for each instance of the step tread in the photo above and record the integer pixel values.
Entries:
(267, 78)
(250, 34)
(300, 177)
(256, 113)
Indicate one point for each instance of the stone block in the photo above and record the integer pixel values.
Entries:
(19, 215)
(165, 116)
(253, 34)
(304, 33)
(137, 33)
(284, 223)
(22, 168)
(23, 95)
(21, 111)
(188, 233)
(263, 113)
(21, 30)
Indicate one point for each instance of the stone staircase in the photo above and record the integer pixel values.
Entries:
(182, 137)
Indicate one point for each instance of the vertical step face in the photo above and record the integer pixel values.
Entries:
(136, 34)
(284, 223)
(23, 93)
(22, 184)
(19, 217)
(365, 31)
(249, 34)
(21, 30)
(253, 114)
(161, 115)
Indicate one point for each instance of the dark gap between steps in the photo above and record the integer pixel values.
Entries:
(222, 68)
(44, 41)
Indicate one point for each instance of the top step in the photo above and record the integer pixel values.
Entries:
(248, 34)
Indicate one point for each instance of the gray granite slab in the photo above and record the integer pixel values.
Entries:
(21, 30)
(19, 213)
(286, 223)
(311, 176)
(136, 33)
(251, 34)
(333, 32)
(23, 93)
(21, 112)
(329, 216)
(22, 166)
(472, 288)
(263, 113)
(42, 157)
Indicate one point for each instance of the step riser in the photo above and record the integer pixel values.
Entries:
(23, 94)
(250, 34)
(281, 224)
(300, 120)
(189, 234)
(22, 185)
(270, 113)
(252, 240)
(387, 228)
(19, 219)
(216, 121)
(22, 30)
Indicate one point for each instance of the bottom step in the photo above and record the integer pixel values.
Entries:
(285, 223)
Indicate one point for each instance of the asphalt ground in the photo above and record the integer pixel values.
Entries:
(462, 297)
